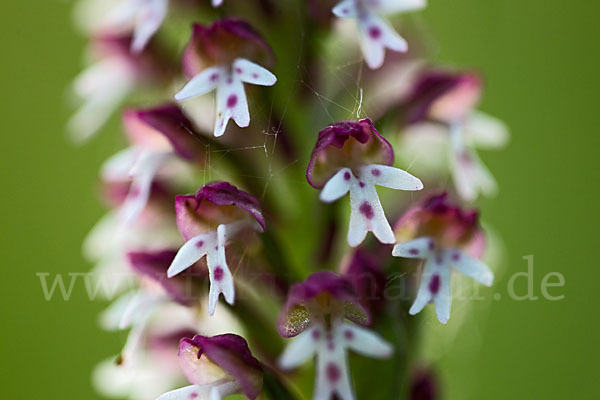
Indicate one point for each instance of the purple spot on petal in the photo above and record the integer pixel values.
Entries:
(413, 251)
(229, 80)
(199, 243)
(347, 175)
(455, 256)
(218, 274)
(434, 284)
(316, 334)
(348, 334)
(366, 210)
(376, 172)
(333, 372)
(214, 77)
(374, 32)
(255, 75)
(238, 70)
(361, 184)
(232, 101)
(193, 395)
(439, 259)
(431, 245)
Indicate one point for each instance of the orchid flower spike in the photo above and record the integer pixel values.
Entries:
(376, 33)
(217, 367)
(218, 213)
(105, 84)
(218, 57)
(449, 100)
(158, 136)
(316, 311)
(446, 237)
(353, 157)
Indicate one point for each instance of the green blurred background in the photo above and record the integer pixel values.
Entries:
(540, 60)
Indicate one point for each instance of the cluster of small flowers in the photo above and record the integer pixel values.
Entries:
(179, 282)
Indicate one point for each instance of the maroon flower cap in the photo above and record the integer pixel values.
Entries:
(444, 96)
(163, 127)
(221, 43)
(347, 144)
(319, 294)
(199, 356)
(448, 224)
(154, 265)
(214, 204)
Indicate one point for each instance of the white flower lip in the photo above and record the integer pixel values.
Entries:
(366, 211)
(435, 278)
(376, 34)
(229, 84)
(330, 348)
(212, 245)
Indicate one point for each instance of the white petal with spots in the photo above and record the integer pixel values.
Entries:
(346, 9)
(366, 215)
(187, 393)
(393, 178)
(469, 266)
(252, 73)
(332, 372)
(221, 280)
(366, 212)
(365, 342)
(337, 186)
(206, 81)
(229, 84)
(418, 248)
(231, 104)
(213, 391)
(434, 286)
(192, 251)
(376, 34)
(301, 348)
(212, 245)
